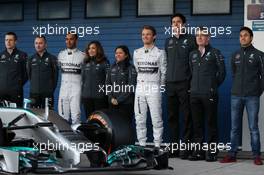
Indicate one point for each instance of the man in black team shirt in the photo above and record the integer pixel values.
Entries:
(43, 74)
(13, 74)
(178, 48)
(208, 73)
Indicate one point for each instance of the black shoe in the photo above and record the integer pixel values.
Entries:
(196, 157)
(184, 155)
(156, 151)
(211, 157)
(174, 154)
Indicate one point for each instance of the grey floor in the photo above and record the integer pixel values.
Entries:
(185, 167)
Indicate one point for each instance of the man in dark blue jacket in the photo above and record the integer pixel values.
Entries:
(13, 74)
(248, 80)
(208, 73)
(178, 48)
(43, 74)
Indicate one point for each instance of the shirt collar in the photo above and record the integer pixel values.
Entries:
(247, 48)
(71, 50)
(206, 50)
(44, 54)
(14, 51)
(147, 50)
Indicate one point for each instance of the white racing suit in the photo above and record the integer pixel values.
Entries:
(70, 61)
(150, 65)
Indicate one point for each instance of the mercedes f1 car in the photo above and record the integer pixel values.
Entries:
(40, 141)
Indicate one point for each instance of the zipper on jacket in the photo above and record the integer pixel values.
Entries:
(8, 71)
(175, 52)
(198, 73)
(243, 73)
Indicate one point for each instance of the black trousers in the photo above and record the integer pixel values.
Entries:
(204, 107)
(39, 100)
(179, 100)
(124, 109)
(13, 98)
(92, 104)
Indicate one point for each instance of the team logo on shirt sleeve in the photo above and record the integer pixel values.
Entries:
(251, 56)
(237, 56)
(3, 57)
(195, 55)
(16, 59)
(184, 43)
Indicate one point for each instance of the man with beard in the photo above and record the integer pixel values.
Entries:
(70, 61)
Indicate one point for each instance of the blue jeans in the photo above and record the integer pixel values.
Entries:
(237, 107)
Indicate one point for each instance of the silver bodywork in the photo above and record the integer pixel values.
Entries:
(59, 134)
(10, 162)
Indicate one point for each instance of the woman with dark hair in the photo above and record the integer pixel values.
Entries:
(94, 72)
(121, 81)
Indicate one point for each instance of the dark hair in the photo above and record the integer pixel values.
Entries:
(126, 50)
(100, 56)
(12, 33)
(247, 29)
(74, 34)
(148, 27)
(180, 16)
(42, 36)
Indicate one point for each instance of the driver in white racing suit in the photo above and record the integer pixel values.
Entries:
(70, 61)
(150, 63)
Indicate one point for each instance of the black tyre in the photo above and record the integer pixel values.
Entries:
(110, 129)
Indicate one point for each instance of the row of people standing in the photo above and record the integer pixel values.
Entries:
(42, 69)
(193, 74)
(16, 68)
(82, 76)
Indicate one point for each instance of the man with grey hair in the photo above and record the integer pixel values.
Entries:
(208, 73)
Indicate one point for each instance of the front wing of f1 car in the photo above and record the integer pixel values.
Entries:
(34, 143)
